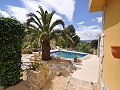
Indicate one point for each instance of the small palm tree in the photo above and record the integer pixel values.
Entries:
(43, 29)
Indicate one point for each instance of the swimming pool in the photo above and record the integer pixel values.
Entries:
(66, 54)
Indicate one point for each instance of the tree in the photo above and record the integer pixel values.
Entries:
(43, 27)
(62, 43)
(83, 47)
(32, 36)
(76, 40)
(94, 44)
(69, 36)
(63, 38)
(70, 31)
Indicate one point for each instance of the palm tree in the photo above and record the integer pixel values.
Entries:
(43, 28)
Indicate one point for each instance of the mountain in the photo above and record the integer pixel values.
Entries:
(87, 41)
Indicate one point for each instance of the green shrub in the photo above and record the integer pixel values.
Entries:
(83, 47)
(26, 44)
(94, 44)
(62, 43)
(75, 56)
(11, 39)
(34, 44)
(38, 66)
(29, 51)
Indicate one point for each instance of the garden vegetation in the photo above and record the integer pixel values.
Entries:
(11, 39)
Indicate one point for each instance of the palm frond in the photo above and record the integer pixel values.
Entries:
(32, 20)
(56, 23)
(33, 15)
(41, 9)
(33, 26)
(67, 38)
(45, 17)
(50, 16)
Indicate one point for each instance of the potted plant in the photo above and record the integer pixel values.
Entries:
(75, 58)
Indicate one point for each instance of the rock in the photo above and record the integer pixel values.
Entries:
(39, 58)
(80, 61)
(37, 79)
(35, 57)
(58, 73)
(92, 83)
(32, 58)
(1, 88)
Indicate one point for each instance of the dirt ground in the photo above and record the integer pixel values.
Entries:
(58, 83)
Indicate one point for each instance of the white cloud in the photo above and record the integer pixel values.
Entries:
(58, 27)
(93, 20)
(93, 27)
(81, 23)
(30, 6)
(18, 12)
(55, 17)
(64, 7)
(67, 8)
(4, 13)
(97, 19)
(88, 32)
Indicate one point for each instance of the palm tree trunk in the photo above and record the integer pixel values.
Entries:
(46, 51)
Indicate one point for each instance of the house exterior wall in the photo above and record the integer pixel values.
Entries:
(111, 29)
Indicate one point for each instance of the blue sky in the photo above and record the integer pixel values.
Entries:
(87, 25)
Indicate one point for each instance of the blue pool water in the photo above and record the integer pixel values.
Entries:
(65, 54)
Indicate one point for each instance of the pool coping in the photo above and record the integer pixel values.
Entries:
(68, 51)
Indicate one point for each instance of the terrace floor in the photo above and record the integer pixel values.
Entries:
(87, 70)
(86, 76)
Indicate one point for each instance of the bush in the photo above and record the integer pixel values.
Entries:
(38, 66)
(83, 47)
(11, 39)
(34, 44)
(75, 56)
(94, 44)
(29, 51)
(62, 43)
(25, 44)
